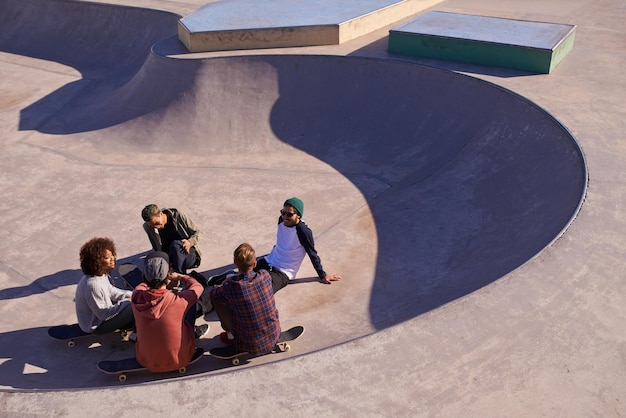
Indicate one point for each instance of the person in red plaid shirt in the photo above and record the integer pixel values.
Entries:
(246, 307)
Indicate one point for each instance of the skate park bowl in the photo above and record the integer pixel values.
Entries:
(421, 185)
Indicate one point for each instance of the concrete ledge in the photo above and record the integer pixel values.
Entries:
(250, 24)
(522, 45)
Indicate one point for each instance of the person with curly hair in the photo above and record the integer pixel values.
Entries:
(100, 306)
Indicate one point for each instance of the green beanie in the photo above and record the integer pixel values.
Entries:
(296, 203)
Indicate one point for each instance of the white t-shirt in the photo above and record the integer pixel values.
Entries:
(288, 253)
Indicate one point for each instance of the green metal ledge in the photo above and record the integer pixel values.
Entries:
(523, 45)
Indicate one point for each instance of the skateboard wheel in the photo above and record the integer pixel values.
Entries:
(235, 362)
(282, 347)
(122, 378)
(71, 343)
(182, 370)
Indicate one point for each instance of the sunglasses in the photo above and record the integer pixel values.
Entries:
(287, 214)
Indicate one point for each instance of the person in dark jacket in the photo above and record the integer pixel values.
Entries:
(173, 232)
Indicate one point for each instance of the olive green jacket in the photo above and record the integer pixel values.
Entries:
(186, 228)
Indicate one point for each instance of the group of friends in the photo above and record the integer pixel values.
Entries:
(162, 310)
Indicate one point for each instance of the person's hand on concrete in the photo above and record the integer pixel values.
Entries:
(330, 278)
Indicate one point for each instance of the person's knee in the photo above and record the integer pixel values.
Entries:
(224, 313)
(279, 281)
(173, 252)
(177, 257)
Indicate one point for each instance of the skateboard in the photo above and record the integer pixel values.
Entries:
(131, 274)
(129, 365)
(67, 333)
(71, 333)
(220, 278)
(231, 353)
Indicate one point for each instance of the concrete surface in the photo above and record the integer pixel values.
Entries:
(432, 193)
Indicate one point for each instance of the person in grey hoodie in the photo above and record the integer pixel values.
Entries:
(100, 306)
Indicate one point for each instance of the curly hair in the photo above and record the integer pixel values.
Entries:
(92, 256)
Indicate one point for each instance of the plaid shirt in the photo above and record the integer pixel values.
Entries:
(255, 317)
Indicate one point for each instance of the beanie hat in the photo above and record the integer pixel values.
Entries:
(156, 267)
(296, 203)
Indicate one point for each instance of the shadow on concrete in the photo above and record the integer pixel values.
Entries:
(52, 365)
(480, 179)
(300, 280)
(107, 44)
(42, 285)
(60, 279)
(477, 179)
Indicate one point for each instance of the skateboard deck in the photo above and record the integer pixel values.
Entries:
(67, 333)
(71, 333)
(129, 365)
(131, 274)
(220, 278)
(231, 353)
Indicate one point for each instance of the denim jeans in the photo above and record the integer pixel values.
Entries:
(124, 319)
(180, 259)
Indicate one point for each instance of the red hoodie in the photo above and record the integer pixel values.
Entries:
(165, 342)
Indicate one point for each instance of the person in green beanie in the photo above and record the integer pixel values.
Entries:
(294, 240)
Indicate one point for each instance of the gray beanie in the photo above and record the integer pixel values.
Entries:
(156, 267)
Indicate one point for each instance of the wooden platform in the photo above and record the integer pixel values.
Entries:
(523, 45)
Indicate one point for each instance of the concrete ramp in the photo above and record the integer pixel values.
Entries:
(421, 185)
(465, 181)
(106, 45)
(95, 39)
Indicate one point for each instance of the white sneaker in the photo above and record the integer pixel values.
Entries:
(201, 330)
